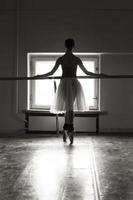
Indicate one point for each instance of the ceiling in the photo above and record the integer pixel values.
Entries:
(67, 5)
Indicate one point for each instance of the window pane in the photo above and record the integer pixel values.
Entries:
(44, 92)
(89, 65)
(88, 84)
(42, 67)
(44, 89)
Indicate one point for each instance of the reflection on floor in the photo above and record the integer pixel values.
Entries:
(40, 168)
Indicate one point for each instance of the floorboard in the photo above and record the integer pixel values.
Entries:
(93, 168)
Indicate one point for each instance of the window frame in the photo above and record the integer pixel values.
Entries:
(33, 57)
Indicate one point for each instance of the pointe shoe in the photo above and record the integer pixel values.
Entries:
(71, 137)
(64, 135)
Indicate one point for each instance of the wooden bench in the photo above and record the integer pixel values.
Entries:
(28, 113)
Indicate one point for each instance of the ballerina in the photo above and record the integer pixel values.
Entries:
(69, 95)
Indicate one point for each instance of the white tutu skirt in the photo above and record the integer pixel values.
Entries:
(69, 96)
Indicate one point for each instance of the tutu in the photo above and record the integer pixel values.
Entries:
(69, 96)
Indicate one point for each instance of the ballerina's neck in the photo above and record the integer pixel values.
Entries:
(69, 52)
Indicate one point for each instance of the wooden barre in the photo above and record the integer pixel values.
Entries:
(59, 77)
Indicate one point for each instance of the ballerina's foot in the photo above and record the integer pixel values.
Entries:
(71, 138)
(65, 135)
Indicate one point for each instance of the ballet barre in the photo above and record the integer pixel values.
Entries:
(59, 77)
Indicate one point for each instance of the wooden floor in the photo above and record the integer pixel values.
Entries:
(45, 168)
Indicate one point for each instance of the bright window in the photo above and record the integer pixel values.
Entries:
(41, 92)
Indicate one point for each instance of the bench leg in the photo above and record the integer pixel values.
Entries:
(57, 125)
(26, 123)
(97, 123)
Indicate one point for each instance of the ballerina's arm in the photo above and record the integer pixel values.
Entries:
(52, 71)
(88, 72)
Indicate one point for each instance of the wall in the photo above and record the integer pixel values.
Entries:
(117, 94)
(39, 26)
(8, 120)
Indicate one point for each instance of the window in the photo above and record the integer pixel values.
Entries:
(41, 92)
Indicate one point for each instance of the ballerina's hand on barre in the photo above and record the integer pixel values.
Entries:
(43, 75)
(101, 75)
